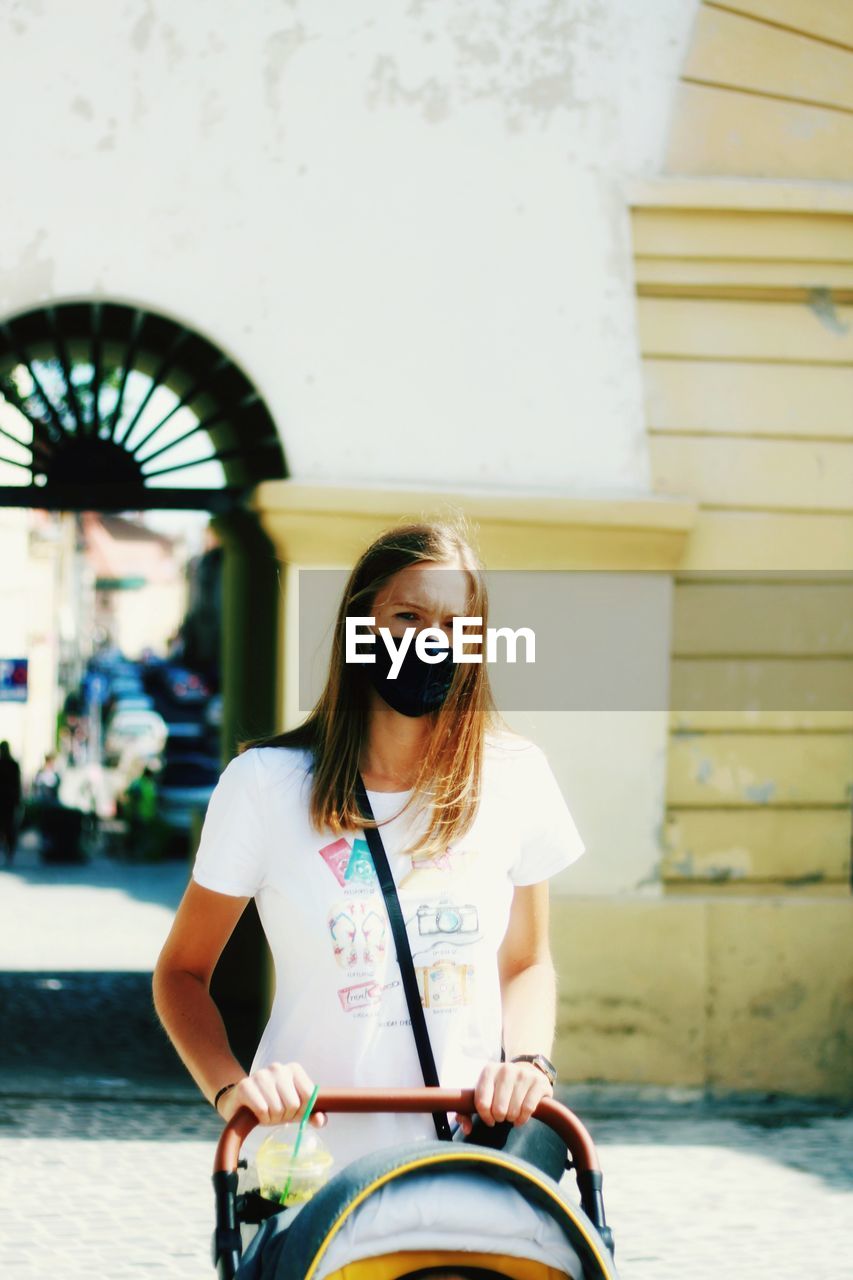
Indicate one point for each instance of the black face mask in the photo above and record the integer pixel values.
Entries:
(419, 686)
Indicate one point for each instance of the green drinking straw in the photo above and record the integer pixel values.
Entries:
(299, 1133)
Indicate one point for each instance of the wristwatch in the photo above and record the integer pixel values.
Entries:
(539, 1060)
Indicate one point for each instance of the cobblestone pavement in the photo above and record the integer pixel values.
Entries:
(111, 1189)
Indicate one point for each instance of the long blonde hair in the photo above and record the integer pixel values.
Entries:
(336, 729)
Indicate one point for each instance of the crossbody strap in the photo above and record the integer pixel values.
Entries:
(404, 956)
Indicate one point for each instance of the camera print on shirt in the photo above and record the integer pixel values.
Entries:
(444, 929)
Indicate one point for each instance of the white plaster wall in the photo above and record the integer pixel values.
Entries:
(29, 599)
(405, 221)
(147, 618)
(611, 767)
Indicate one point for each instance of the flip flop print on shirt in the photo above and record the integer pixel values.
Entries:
(358, 931)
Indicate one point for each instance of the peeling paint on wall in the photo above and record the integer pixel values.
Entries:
(142, 29)
(519, 56)
(783, 1000)
(760, 792)
(279, 48)
(82, 107)
(821, 303)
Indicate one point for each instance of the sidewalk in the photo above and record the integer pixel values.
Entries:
(104, 915)
(121, 1188)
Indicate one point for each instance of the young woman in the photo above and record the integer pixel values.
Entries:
(473, 824)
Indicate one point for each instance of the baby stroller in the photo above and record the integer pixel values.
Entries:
(429, 1209)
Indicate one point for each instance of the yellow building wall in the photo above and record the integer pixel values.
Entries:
(715, 993)
(767, 91)
(742, 976)
(748, 366)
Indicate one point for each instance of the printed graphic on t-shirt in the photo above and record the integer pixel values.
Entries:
(349, 863)
(445, 920)
(445, 985)
(362, 996)
(441, 928)
(438, 924)
(358, 926)
(360, 867)
(358, 930)
(429, 875)
(336, 857)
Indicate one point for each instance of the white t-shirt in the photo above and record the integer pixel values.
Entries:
(339, 1007)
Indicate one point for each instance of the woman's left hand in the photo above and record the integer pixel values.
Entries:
(507, 1091)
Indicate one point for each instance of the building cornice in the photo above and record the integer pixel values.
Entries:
(332, 522)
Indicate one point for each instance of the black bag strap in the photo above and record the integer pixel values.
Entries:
(404, 956)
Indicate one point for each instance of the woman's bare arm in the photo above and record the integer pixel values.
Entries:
(203, 924)
(513, 1090)
(528, 980)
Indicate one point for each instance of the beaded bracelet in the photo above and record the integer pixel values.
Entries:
(223, 1090)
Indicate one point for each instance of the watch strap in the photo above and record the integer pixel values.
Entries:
(539, 1060)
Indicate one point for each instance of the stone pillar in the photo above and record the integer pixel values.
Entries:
(241, 982)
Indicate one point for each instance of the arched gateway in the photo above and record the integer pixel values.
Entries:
(110, 407)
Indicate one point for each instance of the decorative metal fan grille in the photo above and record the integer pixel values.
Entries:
(110, 407)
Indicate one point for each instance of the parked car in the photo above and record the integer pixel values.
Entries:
(126, 687)
(181, 697)
(137, 727)
(179, 685)
(188, 732)
(111, 661)
(185, 785)
(213, 712)
(133, 702)
(212, 727)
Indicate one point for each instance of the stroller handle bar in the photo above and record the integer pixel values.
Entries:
(557, 1116)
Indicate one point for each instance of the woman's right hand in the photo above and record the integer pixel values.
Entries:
(276, 1094)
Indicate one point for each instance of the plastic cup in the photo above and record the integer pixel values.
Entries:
(306, 1173)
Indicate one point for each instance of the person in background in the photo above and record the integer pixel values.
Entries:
(10, 801)
(45, 788)
(141, 812)
(47, 810)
